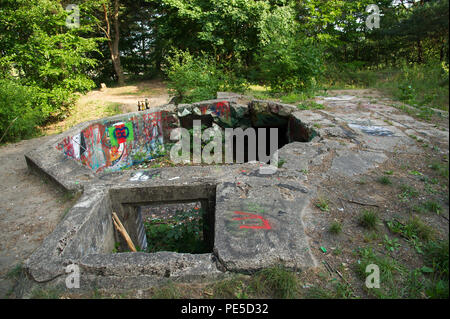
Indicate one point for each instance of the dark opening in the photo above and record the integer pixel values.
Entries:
(178, 227)
(172, 218)
(289, 130)
(282, 140)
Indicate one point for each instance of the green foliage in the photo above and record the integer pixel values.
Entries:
(168, 291)
(368, 219)
(183, 234)
(195, 78)
(42, 63)
(391, 245)
(384, 180)
(407, 193)
(310, 105)
(322, 204)
(19, 116)
(433, 207)
(390, 271)
(287, 60)
(190, 78)
(415, 231)
(436, 255)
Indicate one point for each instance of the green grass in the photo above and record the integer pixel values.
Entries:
(181, 234)
(422, 86)
(440, 169)
(338, 290)
(436, 256)
(368, 219)
(276, 282)
(15, 272)
(46, 293)
(335, 228)
(322, 204)
(310, 105)
(390, 272)
(281, 162)
(168, 291)
(113, 108)
(407, 192)
(235, 287)
(433, 207)
(391, 245)
(414, 230)
(384, 180)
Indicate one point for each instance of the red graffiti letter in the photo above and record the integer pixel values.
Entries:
(265, 225)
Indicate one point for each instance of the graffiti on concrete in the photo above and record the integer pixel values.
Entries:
(372, 130)
(220, 110)
(265, 222)
(113, 146)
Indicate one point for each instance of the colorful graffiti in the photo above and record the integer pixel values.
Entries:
(220, 110)
(111, 146)
(265, 224)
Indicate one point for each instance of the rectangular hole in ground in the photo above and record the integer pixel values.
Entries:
(178, 227)
(178, 220)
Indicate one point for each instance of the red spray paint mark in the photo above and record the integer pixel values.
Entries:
(265, 225)
(223, 108)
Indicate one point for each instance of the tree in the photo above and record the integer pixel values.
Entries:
(42, 63)
(112, 33)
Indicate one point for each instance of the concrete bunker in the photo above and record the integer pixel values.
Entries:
(93, 158)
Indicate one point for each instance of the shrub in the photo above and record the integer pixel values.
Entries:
(287, 61)
(190, 78)
(20, 110)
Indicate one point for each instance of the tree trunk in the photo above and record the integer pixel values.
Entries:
(113, 41)
(419, 52)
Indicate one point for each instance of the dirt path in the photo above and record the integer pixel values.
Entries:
(111, 101)
(128, 96)
(29, 210)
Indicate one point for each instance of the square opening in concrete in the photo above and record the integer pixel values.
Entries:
(178, 218)
(177, 227)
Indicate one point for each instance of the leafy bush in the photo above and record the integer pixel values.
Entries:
(19, 111)
(191, 78)
(288, 62)
(196, 78)
(42, 64)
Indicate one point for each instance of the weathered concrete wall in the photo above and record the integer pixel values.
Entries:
(86, 229)
(118, 142)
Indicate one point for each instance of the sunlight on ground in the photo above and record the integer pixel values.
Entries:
(113, 100)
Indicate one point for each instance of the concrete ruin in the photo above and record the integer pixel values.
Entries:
(255, 221)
